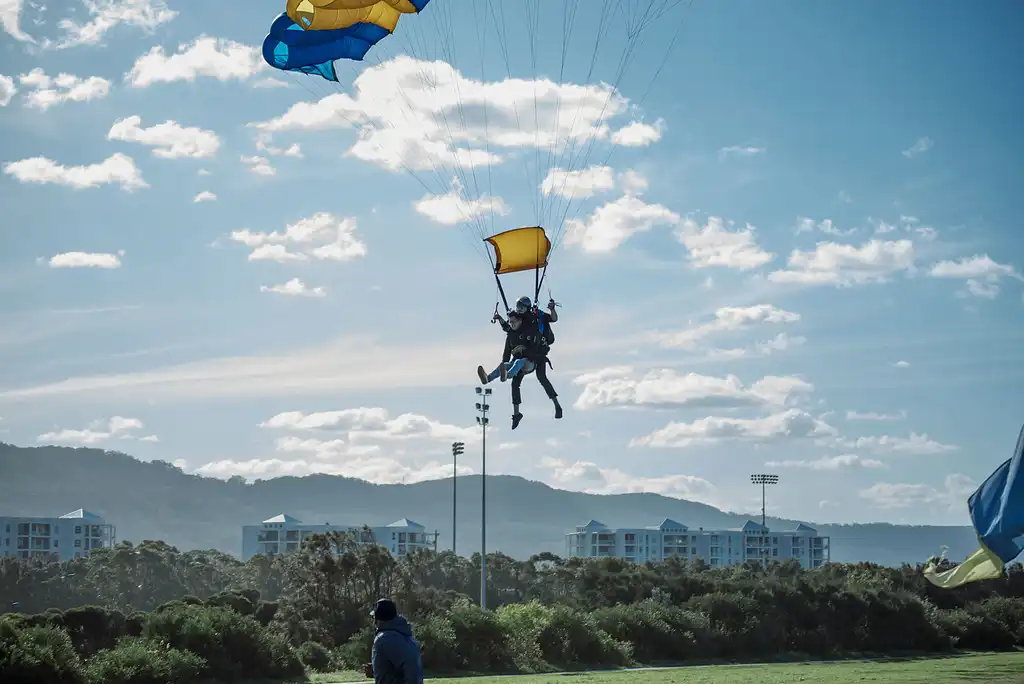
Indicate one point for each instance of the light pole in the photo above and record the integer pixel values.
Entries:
(764, 479)
(482, 408)
(458, 448)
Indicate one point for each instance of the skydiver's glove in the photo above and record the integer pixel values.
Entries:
(552, 304)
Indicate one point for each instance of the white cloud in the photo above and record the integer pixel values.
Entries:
(578, 183)
(10, 20)
(915, 444)
(889, 495)
(322, 236)
(980, 272)
(202, 172)
(263, 144)
(371, 425)
(451, 208)
(271, 83)
(86, 260)
(665, 388)
(589, 477)
(845, 197)
(204, 196)
(49, 91)
(714, 245)
(792, 424)
(829, 463)
(871, 415)
(169, 140)
(837, 264)
(920, 147)
(902, 364)
(259, 165)
(224, 60)
(615, 222)
(377, 469)
(117, 168)
(728, 319)
(781, 342)
(7, 90)
(98, 431)
(295, 288)
(740, 151)
(107, 14)
(807, 225)
(408, 115)
(638, 134)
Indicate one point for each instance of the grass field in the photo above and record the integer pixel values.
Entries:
(1003, 668)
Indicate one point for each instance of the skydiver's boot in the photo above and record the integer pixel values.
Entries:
(516, 416)
(558, 408)
(482, 374)
(503, 372)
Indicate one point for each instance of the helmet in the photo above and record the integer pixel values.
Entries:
(523, 304)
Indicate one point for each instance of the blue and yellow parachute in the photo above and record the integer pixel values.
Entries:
(312, 34)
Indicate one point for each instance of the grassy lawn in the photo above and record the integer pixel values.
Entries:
(1004, 668)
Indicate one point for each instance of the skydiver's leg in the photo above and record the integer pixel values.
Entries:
(542, 378)
(515, 367)
(517, 399)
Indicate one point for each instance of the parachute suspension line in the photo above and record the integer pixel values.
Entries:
(482, 37)
(533, 21)
(503, 43)
(664, 61)
(568, 22)
(634, 32)
(572, 141)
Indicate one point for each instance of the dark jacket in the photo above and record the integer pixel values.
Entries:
(533, 339)
(396, 654)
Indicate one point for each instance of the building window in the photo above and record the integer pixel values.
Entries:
(56, 543)
(78, 529)
(78, 543)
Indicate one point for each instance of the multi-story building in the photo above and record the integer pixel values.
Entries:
(716, 547)
(285, 534)
(70, 536)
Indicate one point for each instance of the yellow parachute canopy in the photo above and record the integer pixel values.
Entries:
(324, 15)
(520, 249)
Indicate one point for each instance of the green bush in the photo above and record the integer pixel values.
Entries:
(40, 655)
(314, 656)
(355, 652)
(572, 638)
(523, 624)
(482, 646)
(658, 632)
(234, 646)
(144, 661)
(438, 645)
(975, 632)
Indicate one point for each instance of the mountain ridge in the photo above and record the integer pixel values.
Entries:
(157, 500)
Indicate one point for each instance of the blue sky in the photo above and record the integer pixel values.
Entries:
(798, 252)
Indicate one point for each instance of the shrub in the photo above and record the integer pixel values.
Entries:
(93, 628)
(976, 632)
(523, 624)
(314, 656)
(438, 644)
(41, 655)
(234, 646)
(144, 661)
(355, 652)
(265, 612)
(572, 638)
(658, 632)
(482, 646)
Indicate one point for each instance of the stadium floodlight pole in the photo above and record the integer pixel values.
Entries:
(458, 448)
(764, 479)
(482, 407)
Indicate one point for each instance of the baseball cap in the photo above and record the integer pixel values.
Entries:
(384, 610)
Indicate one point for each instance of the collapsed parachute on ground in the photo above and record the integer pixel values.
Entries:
(312, 34)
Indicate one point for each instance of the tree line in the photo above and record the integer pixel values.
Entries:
(149, 613)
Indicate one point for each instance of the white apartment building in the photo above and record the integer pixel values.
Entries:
(70, 536)
(285, 534)
(716, 547)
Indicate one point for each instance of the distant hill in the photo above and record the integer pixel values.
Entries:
(156, 500)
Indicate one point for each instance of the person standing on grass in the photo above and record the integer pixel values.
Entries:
(396, 657)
